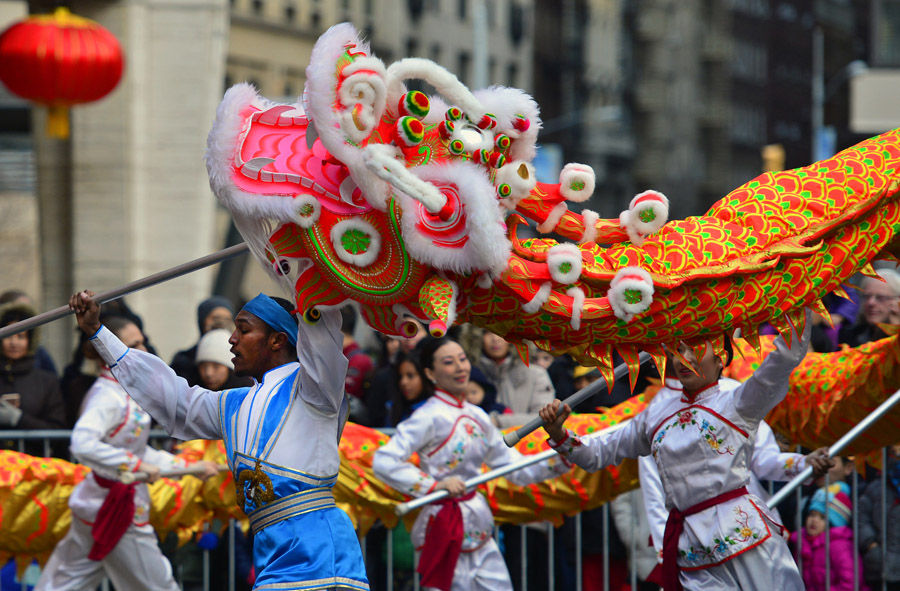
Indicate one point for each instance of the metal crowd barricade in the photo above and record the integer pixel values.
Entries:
(158, 436)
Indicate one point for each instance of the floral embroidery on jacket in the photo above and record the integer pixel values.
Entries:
(710, 435)
(476, 536)
(419, 485)
(743, 532)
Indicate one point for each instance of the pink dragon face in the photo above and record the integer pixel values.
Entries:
(409, 205)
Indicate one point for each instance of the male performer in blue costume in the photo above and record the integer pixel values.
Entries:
(281, 435)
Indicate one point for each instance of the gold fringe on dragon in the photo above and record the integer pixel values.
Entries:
(411, 205)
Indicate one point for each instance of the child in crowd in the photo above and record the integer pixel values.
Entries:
(481, 392)
(214, 365)
(835, 503)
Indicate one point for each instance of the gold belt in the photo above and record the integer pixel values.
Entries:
(290, 506)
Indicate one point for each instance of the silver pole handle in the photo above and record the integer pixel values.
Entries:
(838, 446)
(513, 437)
(137, 285)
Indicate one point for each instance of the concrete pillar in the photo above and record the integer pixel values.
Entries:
(140, 197)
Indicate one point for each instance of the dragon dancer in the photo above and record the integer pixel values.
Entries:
(718, 535)
(281, 434)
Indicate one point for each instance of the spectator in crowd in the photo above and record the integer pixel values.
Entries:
(413, 388)
(542, 358)
(880, 304)
(359, 370)
(523, 389)
(879, 556)
(453, 439)
(29, 396)
(811, 547)
(42, 359)
(481, 392)
(382, 390)
(213, 312)
(214, 363)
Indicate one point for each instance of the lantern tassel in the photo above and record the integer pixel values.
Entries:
(58, 122)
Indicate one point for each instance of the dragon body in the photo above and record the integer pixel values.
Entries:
(412, 207)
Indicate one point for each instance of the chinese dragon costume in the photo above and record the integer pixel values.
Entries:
(410, 204)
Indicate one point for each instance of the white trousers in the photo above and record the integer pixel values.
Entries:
(135, 563)
(767, 567)
(481, 570)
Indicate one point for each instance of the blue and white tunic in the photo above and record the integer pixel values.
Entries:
(281, 436)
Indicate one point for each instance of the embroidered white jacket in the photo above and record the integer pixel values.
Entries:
(702, 449)
(767, 462)
(111, 435)
(452, 438)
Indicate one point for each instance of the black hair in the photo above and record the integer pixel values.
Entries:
(401, 407)
(348, 320)
(729, 350)
(11, 295)
(116, 322)
(288, 307)
(428, 346)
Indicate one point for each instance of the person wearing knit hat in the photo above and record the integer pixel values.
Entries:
(838, 504)
(214, 362)
(834, 503)
(212, 313)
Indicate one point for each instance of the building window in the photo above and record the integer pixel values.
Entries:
(462, 70)
(412, 47)
(512, 75)
(367, 7)
(314, 19)
(436, 53)
(290, 13)
(463, 9)
(257, 6)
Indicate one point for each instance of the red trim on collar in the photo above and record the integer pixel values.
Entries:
(448, 398)
(692, 396)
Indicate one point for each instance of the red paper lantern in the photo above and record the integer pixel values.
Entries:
(59, 60)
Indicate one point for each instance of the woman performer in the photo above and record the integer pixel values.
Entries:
(110, 532)
(718, 535)
(453, 438)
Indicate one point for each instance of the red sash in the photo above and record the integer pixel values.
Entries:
(443, 544)
(113, 518)
(674, 527)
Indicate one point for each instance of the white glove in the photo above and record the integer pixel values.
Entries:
(9, 414)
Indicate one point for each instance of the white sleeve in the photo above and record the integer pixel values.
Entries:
(390, 463)
(605, 449)
(323, 367)
(163, 459)
(102, 413)
(769, 462)
(499, 454)
(654, 501)
(769, 384)
(185, 412)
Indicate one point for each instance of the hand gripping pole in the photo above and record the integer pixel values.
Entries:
(513, 437)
